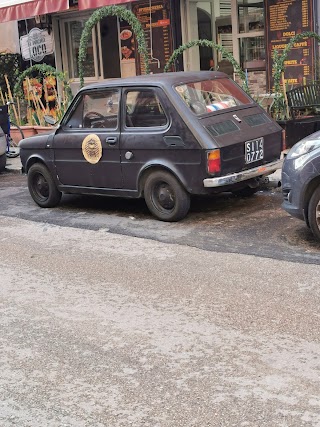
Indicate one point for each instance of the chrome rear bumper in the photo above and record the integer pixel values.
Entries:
(233, 178)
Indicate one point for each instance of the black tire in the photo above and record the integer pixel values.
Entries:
(3, 161)
(42, 187)
(165, 197)
(246, 191)
(14, 149)
(314, 213)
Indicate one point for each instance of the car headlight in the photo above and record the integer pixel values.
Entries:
(304, 146)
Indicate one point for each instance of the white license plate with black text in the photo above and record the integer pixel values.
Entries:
(254, 150)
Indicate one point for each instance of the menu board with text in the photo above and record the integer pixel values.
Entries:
(284, 20)
(156, 23)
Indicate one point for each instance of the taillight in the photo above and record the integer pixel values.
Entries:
(214, 162)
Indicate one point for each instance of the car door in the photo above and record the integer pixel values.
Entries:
(145, 125)
(86, 146)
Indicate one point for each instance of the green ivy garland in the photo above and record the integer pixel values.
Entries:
(44, 70)
(10, 65)
(279, 105)
(207, 43)
(125, 15)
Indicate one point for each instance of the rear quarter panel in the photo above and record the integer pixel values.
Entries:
(242, 129)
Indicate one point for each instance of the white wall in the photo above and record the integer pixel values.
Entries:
(9, 37)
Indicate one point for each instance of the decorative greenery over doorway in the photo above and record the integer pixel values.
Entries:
(121, 13)
(207, 43)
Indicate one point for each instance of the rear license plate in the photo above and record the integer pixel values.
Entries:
(254, 150)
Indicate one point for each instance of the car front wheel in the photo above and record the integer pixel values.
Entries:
(42, 187)
(314, 213)
(165, 197)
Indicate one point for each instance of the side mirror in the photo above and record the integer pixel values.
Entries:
(50, 120)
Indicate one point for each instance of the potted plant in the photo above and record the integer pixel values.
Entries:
(39, 84)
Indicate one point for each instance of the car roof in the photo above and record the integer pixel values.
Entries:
(161, 79)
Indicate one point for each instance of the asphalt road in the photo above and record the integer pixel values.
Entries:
(225, 223)
(110, 318)
(105, 330)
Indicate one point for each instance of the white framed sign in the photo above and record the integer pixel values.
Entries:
(36, 45)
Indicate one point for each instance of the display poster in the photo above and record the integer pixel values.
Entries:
(127, 42)
(284, 20)
(156, 23)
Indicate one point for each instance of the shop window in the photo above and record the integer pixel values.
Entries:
(102, 59)
(251, 29)
(252, 52)
(143, 109)
(73, 31)
(251, 16)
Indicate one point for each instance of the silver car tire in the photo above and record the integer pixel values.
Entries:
(314, 213)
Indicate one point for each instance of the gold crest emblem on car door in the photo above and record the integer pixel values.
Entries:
(92, 148)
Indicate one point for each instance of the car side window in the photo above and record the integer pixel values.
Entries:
(100, 109)
(96, 109)
(74, 119)
(143, 109)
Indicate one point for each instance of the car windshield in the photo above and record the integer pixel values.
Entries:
(212, 95)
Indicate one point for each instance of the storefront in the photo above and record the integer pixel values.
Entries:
(112, 48)
(251, 30)
(237, 25)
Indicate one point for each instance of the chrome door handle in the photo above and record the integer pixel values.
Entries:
(111, 140)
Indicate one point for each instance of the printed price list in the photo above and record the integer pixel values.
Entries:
(284, 20)
(156, 24)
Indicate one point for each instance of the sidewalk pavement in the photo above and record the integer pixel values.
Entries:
(13, 165)
(273, 180)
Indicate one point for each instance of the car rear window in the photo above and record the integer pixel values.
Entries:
(211, 95)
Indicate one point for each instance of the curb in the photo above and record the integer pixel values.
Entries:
(12, 171)
(13, 165)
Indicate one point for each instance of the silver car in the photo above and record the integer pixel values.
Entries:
(3, 149)
(301, 182)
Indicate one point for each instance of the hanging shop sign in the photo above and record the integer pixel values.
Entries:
(284, 20)
(155, 18)
(36, 45)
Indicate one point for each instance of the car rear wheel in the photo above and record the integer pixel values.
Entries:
(165, 197)
(314, 213)
(42, 187)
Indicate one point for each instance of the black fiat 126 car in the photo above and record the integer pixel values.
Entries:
(164, 137)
